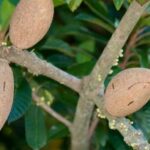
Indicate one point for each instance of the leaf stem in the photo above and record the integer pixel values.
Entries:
(50, 111)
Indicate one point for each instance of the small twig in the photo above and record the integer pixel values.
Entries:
(90, 89)
(141, 34)
(93, 125)
(2, 34)
(128, 53)
(50, 111)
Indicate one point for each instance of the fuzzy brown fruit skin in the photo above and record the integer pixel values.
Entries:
(30, 22)
(127, 92)
(6, 91)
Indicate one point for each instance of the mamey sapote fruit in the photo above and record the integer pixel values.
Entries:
(6, 91)
(30, 22)
(127, 92)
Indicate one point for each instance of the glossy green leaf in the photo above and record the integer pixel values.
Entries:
(59, 2)
(91, 19)
(80, 32)
(100, 9)
(143, 56)
(145, 21)
(144, 41)
(58, 45)
(142, 120)
(59, 60)
(118, 4)
(142, 2)
(117, 141)
(101, 135)
(22, 100)
(88, 45)
(74, 4)
(83, 57)
(15, 2)
(6, 10)
(57, 131)
(81, 69)
(74, 43)
(35, 128)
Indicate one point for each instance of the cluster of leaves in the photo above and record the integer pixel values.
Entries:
(74, 43)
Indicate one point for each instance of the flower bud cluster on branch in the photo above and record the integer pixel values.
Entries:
(88, 88)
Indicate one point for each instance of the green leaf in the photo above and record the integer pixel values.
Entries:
(58, 2)
(83, 57)
(82, 32)
(100, 9)
(74, 4)
(97, 7)
(144, 41)
(22, 101)
(81, 69)
(117, 141)
(6, 10)
(92, 19)
(60, 61)
(145, 21)
(118, 4)
(142, 119)
(58, 45)
(35, 128)
(142, 2)
(101, 134)
(14, 1)
(57, 131)
(143, 56)
(88, 45)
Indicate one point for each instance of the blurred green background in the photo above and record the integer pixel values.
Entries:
(80, 31)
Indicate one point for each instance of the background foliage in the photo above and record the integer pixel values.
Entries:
(80, 31)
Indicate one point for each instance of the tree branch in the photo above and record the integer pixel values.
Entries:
(133, 137)
(128, 54)
(94, 123)
(80, 128)
(39, 67)
(92, 85)
(1, 36)
(111, 52)
(50, 111)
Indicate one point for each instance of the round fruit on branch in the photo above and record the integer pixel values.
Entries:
(30, 22)
(6, 91)
(128, 92)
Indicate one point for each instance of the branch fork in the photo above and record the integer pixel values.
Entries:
(90, 88)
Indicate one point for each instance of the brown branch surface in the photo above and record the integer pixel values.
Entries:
(2, 34)
(115, 44)
(128, 54)
(39, 67)
(95, 80)
(132, 136)
(91, 85)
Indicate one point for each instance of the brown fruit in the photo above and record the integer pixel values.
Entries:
(30, 22)
(127, 92)
(6, 91)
